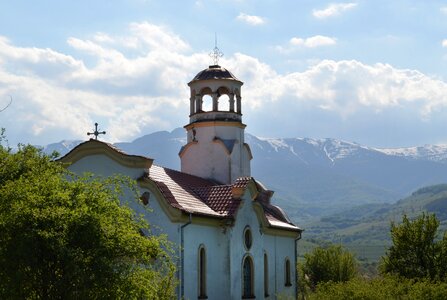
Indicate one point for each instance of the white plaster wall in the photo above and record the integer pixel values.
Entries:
(210, 159)
(276, 247)
(240, 162)
(102, 165)
(285, 248)
(246, 217)
(208, 133)
(206, 160)
(217, 267)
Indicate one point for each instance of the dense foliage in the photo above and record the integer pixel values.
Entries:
(416, 251)
(413, 268)
(381, 288)
(332, 263)
(63, 237)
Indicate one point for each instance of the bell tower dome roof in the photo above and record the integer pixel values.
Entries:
(215, 72)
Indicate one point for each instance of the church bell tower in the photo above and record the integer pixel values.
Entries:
(215, 146)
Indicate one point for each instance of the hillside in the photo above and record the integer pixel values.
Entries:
(365, 229)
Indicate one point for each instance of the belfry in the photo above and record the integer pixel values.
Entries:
(215, 146)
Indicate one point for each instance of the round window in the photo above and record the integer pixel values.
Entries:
(248, 240)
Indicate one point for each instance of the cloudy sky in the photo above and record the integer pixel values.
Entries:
(373, 72)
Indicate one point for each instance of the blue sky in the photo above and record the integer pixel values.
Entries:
(373, 72)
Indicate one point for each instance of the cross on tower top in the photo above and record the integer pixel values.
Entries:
(96, 132)
(216, 53)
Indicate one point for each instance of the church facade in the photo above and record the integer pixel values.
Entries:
(232, 242)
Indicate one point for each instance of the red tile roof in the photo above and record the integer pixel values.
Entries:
(178, 187)
(219, 198)
(196, 195)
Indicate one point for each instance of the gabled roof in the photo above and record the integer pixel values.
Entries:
(178, 190)
(199, 196)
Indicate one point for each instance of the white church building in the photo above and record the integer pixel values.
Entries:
(232, 242)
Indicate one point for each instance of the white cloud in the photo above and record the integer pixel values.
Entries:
(251, 20)
(444, 43)
(342, 87)
(57, 94)
(314, 41)
(443, 10)
(333, 9)
(157, 37)
(103, 38)
(310, 42)
(133, 94)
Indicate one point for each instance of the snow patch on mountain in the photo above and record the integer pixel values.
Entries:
(333, 149)
(276, 144)
(436, 153)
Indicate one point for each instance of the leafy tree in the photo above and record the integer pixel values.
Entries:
(416, 252)
(65, 237)
(327, 264)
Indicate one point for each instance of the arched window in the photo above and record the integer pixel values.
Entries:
(266, 276)
(224, 103)
(248, 239)
(247, 278)
(287, 281)
(223, 98)
(202, 273)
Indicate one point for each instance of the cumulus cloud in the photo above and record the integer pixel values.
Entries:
(443, 10)
(314, 41)
(251, 19)
(59, 94)
(332, 10)
(310, 42)
(138, 93)
(343, 88)
(444, 43)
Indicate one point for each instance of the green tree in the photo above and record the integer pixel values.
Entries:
(416, 252)
(327, 264)
(65, 237)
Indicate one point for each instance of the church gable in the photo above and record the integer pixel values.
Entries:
(95, 147)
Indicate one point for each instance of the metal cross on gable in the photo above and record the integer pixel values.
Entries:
(216, 53)
(96, 132)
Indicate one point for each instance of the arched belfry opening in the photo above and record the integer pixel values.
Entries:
(215, 134)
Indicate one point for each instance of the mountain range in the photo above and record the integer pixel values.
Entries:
(313, 177)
